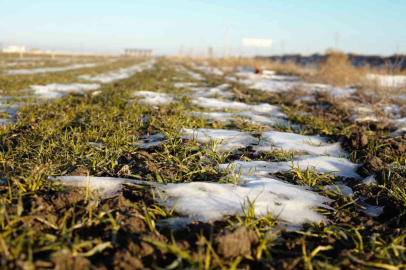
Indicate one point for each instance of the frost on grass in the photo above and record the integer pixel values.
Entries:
(153, 98)
(207, 201)
(321, 164)
(48, 69)
(120, 74)
(57, 90)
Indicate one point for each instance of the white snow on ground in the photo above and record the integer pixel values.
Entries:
(183, 84)
(272, 140)
(209, 92)
(333, 91)
(274, 86)
(280, 83)
(246, 116)
(14, 64)
(276, 118)
(323, 164)
(192, 74)
(120, 74)
(226, 139)
(147, 141)
(399, 132)
(48, 69)
(57, 90)
(217, 116)
(394, 81)
(373, 113)
(370, 180)
(222, 104)
(314, 145)
(208, 70)
(6, 122)
(207, 202)
(343, 189)
(153, 98)
(11, 109)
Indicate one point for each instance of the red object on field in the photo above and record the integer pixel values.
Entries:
(257, 70)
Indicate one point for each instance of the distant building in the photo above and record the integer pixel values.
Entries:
(37, 51)
(14, 49)
(138, 53)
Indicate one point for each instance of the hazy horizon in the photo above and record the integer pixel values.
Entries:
(363, 27)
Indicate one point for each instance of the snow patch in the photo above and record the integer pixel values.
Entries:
(206, 202)
(48, 69)
(322, 164)
(394, 81)
(57, 90)
(153, 98)
(120, 74)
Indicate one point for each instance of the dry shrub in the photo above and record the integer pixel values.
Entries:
(336, 69)
(231, 63)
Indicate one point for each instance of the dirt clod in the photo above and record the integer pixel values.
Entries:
(236, 243)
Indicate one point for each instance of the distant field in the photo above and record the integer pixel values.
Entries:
(175, 163)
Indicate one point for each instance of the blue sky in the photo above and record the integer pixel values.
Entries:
(370, 27)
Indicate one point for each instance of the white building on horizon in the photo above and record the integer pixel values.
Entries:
(14, 49)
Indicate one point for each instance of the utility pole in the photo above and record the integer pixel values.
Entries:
(337, 37)
(181, 50)
(226, 40)
(283, 44)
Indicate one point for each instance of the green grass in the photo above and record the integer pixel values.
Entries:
(44, 224)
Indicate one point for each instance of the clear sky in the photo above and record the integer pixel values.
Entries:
(370, 27)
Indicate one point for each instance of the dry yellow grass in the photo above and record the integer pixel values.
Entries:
(336, 70)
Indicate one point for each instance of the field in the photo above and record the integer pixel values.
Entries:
(176, 163)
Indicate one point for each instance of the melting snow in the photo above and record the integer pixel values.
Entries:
(314, 145)
(48, 69)
(57, 90)
(207, 202)
(370, 180)
(192, 74)
(11, 109)
(184, 84)
(221, 104)
(272, 140)
(208, 92)
(153, 98)
(227, 139)
(247, 116)
(343, 189)
(323, 164)
(122, 73)
(395, 81)
(147, 141)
